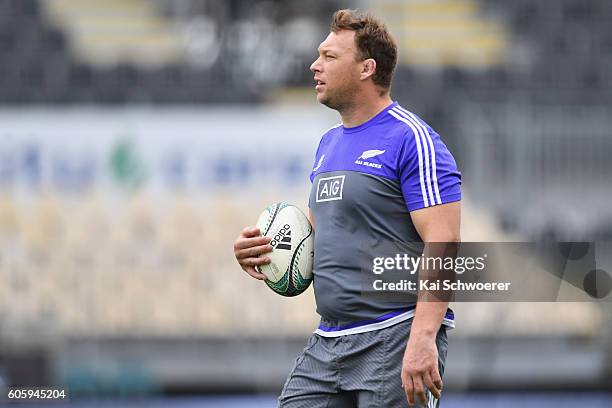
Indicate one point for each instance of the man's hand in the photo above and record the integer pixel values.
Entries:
(420, 368)
(248, 250)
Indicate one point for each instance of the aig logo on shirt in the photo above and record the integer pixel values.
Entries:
(330, 188)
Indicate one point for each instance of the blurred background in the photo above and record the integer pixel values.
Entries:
(138, 137)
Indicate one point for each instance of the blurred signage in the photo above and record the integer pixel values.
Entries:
(165, 149)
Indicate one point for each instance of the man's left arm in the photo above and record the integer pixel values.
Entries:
(440, 223)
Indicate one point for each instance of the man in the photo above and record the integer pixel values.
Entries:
(382, 175)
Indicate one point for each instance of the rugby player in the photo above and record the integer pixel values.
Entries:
(381, 175)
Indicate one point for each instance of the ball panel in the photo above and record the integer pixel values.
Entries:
(267, 218)
(281, 286)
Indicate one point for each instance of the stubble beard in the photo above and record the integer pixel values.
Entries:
(341, 100)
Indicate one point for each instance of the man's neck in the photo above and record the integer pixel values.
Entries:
(364, 110)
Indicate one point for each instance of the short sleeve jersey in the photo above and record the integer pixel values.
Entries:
(365, 182)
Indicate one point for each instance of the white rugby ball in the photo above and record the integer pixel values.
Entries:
(289, 272)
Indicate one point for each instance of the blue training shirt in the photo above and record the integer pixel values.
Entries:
(365, 182)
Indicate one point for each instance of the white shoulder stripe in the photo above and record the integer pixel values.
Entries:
(426, 151)
(420, 154)
(433, 152)
(333, 127)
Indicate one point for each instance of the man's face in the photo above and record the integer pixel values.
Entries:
(337, 71)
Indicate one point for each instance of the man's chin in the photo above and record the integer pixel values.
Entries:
(324, 100)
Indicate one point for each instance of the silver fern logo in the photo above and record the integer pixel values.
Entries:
(368, 154)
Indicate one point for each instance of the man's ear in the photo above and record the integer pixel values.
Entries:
(368, 68)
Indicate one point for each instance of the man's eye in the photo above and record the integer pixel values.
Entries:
(331, 56)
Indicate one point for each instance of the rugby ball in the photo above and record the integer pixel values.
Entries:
(289, 272)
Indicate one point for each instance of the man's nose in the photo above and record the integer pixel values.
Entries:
(314, 67)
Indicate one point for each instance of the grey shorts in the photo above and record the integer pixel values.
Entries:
(356, 370)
